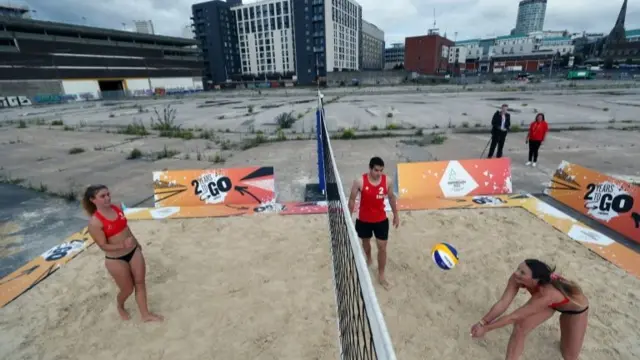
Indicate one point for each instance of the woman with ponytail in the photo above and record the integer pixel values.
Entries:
(123, 254)
(549, 293)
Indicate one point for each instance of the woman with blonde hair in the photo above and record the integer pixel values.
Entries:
(549, 293)
(123, 253)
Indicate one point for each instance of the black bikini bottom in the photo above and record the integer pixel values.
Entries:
(573, 312)
(125, 258)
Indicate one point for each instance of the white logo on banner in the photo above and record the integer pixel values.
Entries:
(607, 200)
(63, 250)
(212, 187)
(456, 181)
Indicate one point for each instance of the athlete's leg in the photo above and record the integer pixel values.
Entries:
(572, 331)
(365, 232)
(382, 261)
(381, 232)
(121, 273)
(520, 331)
(138, 268)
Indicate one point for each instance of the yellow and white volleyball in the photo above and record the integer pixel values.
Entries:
(445, 256)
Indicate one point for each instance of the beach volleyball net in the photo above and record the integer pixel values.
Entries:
(362, 331)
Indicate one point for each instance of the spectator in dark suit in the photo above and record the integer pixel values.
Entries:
(500, 125)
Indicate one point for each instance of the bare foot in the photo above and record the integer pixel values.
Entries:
(152, 317)
(124, 315)
(383, 282)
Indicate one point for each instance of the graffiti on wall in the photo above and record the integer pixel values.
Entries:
(14, 101)
(50, 99)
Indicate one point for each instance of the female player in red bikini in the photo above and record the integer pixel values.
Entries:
(124, 261)
(549, 293)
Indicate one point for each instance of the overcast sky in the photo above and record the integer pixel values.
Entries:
(397, 18)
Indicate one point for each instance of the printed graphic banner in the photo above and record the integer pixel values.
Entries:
(38, 269)
(595, 241)
(254, 185)
(454, 178)
(612, 202)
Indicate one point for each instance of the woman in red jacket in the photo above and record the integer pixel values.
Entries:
(537, 132)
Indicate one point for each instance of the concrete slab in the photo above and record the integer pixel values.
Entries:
(39, 154)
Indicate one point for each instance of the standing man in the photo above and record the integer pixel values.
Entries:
(372, 219)
(500, 125)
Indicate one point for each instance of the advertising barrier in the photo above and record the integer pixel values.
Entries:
(252, 185)
(612, 202)
(454, 178)
(38, 269)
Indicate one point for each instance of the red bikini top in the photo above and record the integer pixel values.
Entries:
(552, 305)
(112, 227)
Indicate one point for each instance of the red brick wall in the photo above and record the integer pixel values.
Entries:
(423, 54)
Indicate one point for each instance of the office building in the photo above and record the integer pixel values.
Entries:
(265, 37)
(530, 16)
(90, 60)
(372, 47)
(394, 56)
(427, 54)
(216, 33)
(302, 40)
(15, 11)
(327, 37)
(144, 26)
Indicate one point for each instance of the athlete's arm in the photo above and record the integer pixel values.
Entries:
(95, 230)
(535, 305)
(355, 187)
(502, 305)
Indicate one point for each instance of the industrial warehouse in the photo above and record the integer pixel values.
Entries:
(45, 61)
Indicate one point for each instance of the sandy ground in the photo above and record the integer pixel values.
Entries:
(429, 311)
(237, 288)
(230, 288)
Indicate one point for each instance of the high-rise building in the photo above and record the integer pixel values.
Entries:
(144, 26)
(372, 47)
(216, 31)
(394, 56)
(16, 11)
(327, 37)
(530, 16)
(265, 37)
(279, 37)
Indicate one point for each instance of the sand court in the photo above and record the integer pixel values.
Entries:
(260, 287)
(255, 287)
(430, 311)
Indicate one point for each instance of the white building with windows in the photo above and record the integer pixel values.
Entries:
(265, 37)
(560, 44)
(472, 49)
(144, 26)
(516, 45)
(343, 24)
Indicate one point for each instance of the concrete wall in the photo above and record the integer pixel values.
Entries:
(367, 77)
(30, 88)
(82, 88)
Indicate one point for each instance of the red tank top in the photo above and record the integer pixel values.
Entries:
(112, 227)
(372, 200)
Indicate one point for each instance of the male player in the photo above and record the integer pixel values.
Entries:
(372, 219)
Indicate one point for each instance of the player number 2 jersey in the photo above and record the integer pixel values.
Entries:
(372, 200)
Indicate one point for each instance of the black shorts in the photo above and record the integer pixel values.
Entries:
(366, 230)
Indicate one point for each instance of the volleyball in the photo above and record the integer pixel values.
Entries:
(445, 256)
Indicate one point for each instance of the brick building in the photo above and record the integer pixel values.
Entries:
(427, 54)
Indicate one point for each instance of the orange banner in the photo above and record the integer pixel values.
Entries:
(38, 269)
(254, 185)
(454, 178)
(610, 201)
